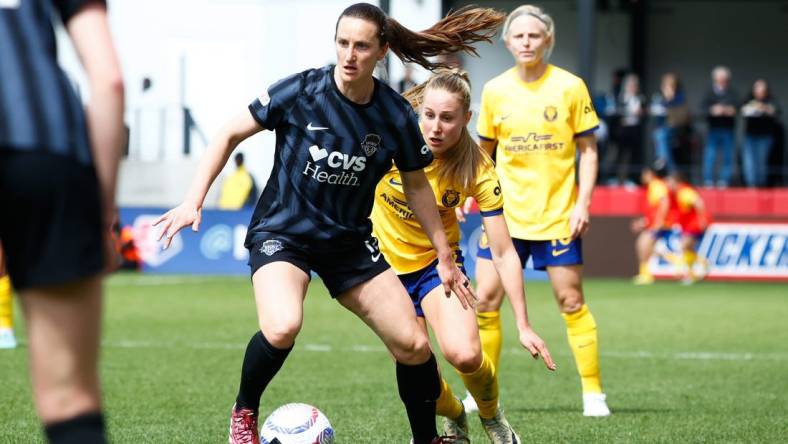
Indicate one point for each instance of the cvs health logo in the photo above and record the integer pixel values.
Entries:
(334, 168)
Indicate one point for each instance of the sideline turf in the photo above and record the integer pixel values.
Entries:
(706, 363)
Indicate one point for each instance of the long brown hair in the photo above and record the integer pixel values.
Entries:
(454, 33)
(460, 165)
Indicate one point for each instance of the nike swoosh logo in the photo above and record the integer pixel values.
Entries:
(315, 128)
(394, 182)
(559, 252)
(376, 257)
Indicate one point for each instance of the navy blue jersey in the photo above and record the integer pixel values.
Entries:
(39, 109)
(330, 155)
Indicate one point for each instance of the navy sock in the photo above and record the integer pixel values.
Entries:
(419, 388)
(87, 428)
(261, 363)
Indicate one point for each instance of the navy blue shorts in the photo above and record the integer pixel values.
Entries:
(50, 226)
(341, 267)
(420, 283)
(549, 253)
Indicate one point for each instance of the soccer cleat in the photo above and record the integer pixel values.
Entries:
(457, 428)
(594, 405)
(7, 339)
(498, 429)
(469, 403)
(243, 427)
(643, 279)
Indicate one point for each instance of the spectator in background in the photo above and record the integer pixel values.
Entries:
(671, 116)
(719, 106)
(407, 81)
(238, 190)
(607, 106)
(631, 109)
(760, 112)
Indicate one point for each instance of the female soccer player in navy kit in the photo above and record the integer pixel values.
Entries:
(338, 130)
(58, 166)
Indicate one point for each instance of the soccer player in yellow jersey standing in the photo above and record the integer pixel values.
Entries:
(536, 117)
(460, 169)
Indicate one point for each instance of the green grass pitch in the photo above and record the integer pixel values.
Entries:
(707, 363)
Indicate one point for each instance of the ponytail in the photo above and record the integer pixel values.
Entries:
(454, 33)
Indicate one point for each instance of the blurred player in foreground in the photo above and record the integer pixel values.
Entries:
(58, 167)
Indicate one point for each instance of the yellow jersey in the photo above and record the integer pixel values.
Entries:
(535, 125)
(401, 238)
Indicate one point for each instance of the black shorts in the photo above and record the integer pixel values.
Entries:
(50, 222)
(341, 268)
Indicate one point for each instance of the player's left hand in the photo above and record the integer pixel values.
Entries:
(536, 346)
(455, 281)
(579, 221)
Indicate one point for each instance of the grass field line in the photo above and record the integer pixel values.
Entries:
(361, 348)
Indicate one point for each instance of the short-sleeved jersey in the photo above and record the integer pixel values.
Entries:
(330, 154)
(656, 191)
(39, 109)
(535, 125)
(687, 200)
(401, 238)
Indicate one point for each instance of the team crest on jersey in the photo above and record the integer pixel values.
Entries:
(450, 198)
(550, 113)
(271, 246)
(370, 144)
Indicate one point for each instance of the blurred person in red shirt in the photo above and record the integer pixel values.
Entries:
(656, 221)
(691, 215)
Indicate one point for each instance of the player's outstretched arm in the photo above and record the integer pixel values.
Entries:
(589, 164)
(422, 201)
(509, 268)
(189, 212)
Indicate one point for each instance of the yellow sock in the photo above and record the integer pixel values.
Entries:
(581, 330)
(6, 315)
(644, 269)
(490, 334)
(689, 259)
(448, 405)
(483, 385)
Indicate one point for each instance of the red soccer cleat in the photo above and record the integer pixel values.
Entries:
(243, 427)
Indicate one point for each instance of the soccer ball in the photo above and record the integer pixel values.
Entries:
(296, 424)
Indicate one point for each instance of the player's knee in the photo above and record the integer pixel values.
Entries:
(465, 360)
(413, 351)
(488, 298)
(571, 300)
(281, 333)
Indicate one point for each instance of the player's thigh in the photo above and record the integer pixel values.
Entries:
(383, 304)
(567, 283)
(455, 330)
(489, 289)
(279, 291)
(63, 324)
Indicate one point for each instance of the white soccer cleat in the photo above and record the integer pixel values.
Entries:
(7, 338)
(594, 405)
(469, 403)
(457, 429)
(498, 429)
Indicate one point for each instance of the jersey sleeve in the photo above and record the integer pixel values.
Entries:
(687, 197)
(68, 8)
(412, 152)
(485, 125)
(488, 193)
(274, 105)
(583, 115)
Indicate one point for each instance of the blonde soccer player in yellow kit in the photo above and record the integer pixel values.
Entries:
(535, 117)
(460, 169)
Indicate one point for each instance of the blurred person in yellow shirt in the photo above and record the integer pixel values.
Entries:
(239, 189)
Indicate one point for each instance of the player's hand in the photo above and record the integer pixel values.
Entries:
(536, 346)
(638, 225)
(174, 220)
(464, 209)
(455, 281)
(579, 221)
